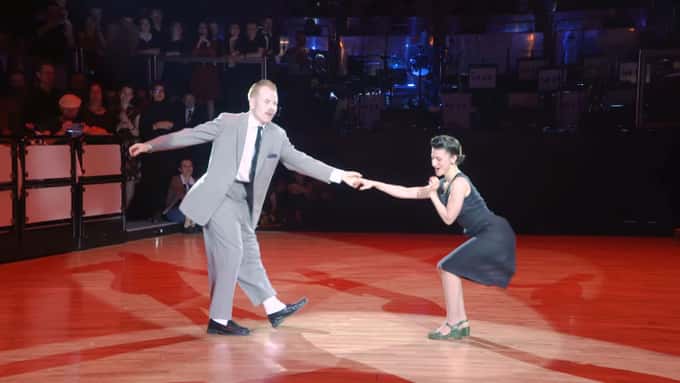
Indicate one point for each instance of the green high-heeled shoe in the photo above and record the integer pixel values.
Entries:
(456, 332)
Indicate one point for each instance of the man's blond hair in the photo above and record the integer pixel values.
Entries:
(260, 84)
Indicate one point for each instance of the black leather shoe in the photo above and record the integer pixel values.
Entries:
(232, 328)
(277, 318)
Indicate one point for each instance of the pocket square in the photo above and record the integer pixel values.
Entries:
(272, 155)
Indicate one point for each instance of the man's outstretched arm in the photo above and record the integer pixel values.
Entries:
(199, 134)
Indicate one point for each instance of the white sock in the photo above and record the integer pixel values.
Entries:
(223, 322)
(272, 305)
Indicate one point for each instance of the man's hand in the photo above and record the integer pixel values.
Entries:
(352, 179)
(139, 148)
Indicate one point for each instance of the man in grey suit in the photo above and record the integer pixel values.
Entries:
(227, 200)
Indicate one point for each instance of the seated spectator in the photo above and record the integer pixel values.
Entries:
(68, 122)
(179, 186)
(127, 114)
(193, 114)
(127, 128)
(159, 118)
(96, 117)
(42, 103)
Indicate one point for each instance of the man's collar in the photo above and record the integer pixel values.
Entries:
(252, 121)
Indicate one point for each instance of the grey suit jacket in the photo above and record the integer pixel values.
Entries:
(228, 133)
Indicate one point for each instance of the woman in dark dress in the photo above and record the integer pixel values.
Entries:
(205, 80)
(127, 128)
(488, 257)
(98, 120)
(160, 117)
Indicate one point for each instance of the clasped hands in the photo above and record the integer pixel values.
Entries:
(366, 184)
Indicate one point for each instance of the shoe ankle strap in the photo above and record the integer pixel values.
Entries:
(457, 325)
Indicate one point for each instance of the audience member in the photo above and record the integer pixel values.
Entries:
(179, 186)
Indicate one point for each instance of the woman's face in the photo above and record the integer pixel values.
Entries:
(441, 161)
(144, 25)
(158, 93)
(96, 95)
(202, 29)
(126, 94)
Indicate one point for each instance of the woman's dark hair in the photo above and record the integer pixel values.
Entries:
(450, 144)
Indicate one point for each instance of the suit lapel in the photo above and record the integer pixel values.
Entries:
(241, 130)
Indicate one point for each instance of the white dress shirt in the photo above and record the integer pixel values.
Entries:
(188, 183)
(243, 174)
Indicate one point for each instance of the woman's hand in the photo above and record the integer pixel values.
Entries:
(365, 184)
(433, 186)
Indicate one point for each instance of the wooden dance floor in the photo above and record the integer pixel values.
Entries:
(580, 309)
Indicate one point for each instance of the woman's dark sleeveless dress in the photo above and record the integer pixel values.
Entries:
(488, 257)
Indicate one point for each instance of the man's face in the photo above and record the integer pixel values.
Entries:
(189, 101)
(46, 75)
(264, 103)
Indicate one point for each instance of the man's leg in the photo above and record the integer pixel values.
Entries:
(224, 250)
(252, 276)
(254, 281)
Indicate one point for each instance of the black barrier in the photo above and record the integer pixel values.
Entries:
(101, 193)
(46, 196)
(62, 194)
(9, 231)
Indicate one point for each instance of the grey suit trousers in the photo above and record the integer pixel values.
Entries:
(234, 255)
